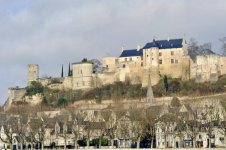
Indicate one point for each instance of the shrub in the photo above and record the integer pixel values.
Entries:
(34, 88)
(175, 102)
(62, 101)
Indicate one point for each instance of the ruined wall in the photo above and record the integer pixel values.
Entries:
(16, 94)
(104, 78)
(207, 68)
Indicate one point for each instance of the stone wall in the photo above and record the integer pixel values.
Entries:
(34, 99)
(109, 64)
(82, 75)
(16, 94)
(67, 83)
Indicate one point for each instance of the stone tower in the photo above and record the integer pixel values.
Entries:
(82, 75)
(33, 73)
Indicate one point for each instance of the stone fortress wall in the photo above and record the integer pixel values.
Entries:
(164, 57)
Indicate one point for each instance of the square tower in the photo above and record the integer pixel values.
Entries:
(33, 73)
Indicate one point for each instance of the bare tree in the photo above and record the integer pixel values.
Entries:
(138, 125)
(9, 127)
(123, 126)
(223, 41)
(210, 119)
(110, 120)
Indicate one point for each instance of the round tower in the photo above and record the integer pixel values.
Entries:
(33, 73)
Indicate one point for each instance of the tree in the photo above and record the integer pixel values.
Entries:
(137, 118)
(150, 121)
(35, 131)
(62, 72)
(211, 119)
(223, 41)
(69, 70)
(166, 84)
(97, 65)
(34, 88)
(62, 101)
(193, 48)
(9, 127)
(175, 102)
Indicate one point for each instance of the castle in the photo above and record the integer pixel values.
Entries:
(161, 57)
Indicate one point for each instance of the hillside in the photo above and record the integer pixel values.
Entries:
(167, 87)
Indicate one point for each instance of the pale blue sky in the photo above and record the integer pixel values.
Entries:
(55, 32)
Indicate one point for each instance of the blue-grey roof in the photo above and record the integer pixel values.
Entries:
(161, 44)
(131, 52)
(165, 44)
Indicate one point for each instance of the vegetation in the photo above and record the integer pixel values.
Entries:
(175, 102)
(125, 90)
(177, 87)
(62, 71)
(34, 89)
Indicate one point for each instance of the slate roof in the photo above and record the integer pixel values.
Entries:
(161, 44)
(131, 52)
(164, 44)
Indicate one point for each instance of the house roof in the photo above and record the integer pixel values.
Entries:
(131, 52)
(164, 44)
(161, 44)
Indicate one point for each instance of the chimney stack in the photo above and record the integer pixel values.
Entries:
(138, 47)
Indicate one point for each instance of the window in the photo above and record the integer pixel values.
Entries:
(172, 53)
(172, 61)
(176, 61)
(125, 59)
(123, 66)
(160, 61)
(130, 59)
(142, 64)
(147, 55)
(106, 66)
(160, 54)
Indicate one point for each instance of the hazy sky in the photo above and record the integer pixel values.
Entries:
(55, 32)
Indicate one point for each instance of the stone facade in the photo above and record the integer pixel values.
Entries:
(82, 75)
(208, 68)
